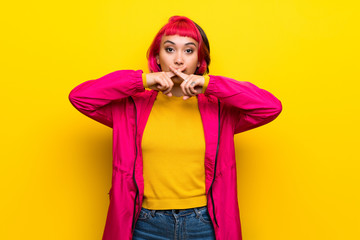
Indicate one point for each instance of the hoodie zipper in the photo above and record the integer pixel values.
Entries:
(217, 150)
(137, 188)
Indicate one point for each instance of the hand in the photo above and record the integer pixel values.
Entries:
(189, 83)
(161, 81)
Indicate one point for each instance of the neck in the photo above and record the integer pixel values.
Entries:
(176, 90)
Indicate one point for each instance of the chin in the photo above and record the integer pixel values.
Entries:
(177, 80)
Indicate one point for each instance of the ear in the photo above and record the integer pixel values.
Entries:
(157, 59)
(198, 65)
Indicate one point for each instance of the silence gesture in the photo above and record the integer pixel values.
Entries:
(161, 81)
(191, 85)
(188, 86)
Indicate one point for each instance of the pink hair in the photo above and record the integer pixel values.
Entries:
(182, 26)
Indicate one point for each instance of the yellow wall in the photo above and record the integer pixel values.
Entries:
(298, 176)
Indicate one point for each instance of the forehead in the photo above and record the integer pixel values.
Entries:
(178, 40)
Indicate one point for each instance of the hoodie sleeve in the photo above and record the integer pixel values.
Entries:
(251, 105)
(94, 97)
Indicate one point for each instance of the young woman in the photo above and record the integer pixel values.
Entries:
(174, 167)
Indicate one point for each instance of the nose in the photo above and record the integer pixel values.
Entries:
(179, 60)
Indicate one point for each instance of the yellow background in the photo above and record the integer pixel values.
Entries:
(298, 177)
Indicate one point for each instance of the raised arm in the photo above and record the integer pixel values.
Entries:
(253, 106)
(94, 97)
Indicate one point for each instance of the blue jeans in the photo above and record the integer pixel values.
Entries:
(191, 223)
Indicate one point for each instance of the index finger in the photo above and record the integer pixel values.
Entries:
(178, 73)
(170, 74)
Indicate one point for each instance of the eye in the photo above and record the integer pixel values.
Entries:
(189, 50)
(169, 49)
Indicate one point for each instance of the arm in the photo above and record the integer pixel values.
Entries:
(94, 97)
(253, 106)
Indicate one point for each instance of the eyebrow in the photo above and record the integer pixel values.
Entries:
(189, 43)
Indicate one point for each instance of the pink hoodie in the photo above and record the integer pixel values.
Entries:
(227, 107)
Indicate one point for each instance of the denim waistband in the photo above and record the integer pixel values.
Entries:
(177, 211)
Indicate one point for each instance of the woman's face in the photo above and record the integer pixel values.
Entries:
(178, 51)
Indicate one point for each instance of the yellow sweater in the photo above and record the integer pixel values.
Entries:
(173, 148)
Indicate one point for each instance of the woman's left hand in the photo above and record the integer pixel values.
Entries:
(190, 82)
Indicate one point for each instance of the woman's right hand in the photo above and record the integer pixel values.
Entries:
(161, 81)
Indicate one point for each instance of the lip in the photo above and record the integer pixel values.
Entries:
(177, 68)
(181, 71)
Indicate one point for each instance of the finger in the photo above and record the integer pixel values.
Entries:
(192, 83)
(170, 84)
(182, 68)
(170, 74)
(187, 86)
(182, 86)
(195, 84)
(198, 89)
(187, 91)
(179, 70)
(178, 73)
(192, 89)
(168, 91)
(161, 83)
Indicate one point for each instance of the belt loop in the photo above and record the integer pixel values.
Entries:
(152, 213)
(197, 212)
